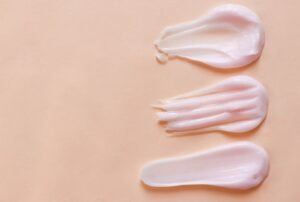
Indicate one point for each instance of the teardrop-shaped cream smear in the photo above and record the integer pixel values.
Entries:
(229, 36)
(238, 104)
(240, 165)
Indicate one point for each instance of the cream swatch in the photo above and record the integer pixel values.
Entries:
(229, 36)
(240, 165)
(237, 104)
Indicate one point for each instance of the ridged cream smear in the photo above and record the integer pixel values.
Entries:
(235, 105)
(229, 36)
(240, 165)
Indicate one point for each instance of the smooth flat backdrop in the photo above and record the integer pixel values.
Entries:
(77, 78)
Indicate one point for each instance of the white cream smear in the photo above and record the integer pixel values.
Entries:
(237, 104)
(229, 36)
(240, 165)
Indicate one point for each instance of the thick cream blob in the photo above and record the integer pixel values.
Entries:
(237, 104)
(229, 36)
(240, 165)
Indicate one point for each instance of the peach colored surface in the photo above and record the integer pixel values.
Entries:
(76, 81)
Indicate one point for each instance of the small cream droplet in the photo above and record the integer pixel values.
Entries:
(162, 57)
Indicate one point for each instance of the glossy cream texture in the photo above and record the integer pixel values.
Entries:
(236, 105)
(229, 36)
(240, 165)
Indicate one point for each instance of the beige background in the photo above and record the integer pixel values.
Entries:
(76, 81)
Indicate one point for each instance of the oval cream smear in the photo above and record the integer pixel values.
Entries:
(236, 105)
(229, 36)
(240, 165)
